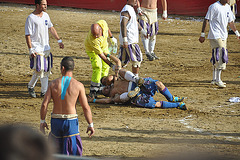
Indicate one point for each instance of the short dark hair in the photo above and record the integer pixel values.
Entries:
(101, 80)
(68, 63)
(38, 2)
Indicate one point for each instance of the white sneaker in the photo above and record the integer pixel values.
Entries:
(214, 82)
(220, 84)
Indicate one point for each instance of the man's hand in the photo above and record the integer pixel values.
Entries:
(43, 126)
(164, 15)
(125, 44)
(92, 131)
(32, 52)
(116, 69)
(113, 41)
(201, 39)
(61, 45)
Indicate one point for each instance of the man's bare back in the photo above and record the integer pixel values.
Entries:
(65, 91)
(68, 105)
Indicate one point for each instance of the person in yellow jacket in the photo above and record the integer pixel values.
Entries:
(96, 47)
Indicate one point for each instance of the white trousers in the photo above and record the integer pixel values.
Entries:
(44, 82)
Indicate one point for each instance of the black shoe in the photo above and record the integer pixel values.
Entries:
(93, 95)
(150, 57)
(32, 92)
(154, 55)
(42, 94)
(182, 106)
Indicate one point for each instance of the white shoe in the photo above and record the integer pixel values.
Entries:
(220, 84)
(214, 82)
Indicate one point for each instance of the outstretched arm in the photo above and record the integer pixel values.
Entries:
(116, 67)
(102, 100)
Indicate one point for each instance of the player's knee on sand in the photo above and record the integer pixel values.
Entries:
(122, 72)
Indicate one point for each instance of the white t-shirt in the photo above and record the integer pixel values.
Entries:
(37, 27)
(132, 26)
(219, 16)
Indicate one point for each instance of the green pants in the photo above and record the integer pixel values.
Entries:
(100, 69)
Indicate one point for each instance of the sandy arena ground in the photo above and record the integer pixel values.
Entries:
(211, 123)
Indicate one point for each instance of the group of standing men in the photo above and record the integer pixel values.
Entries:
(66, 90)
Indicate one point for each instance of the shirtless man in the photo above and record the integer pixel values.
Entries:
(123, 91)
(64, 122)
(150, 24)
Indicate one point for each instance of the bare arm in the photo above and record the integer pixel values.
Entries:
(28, 40)
(202, 37)
(125, 18)
(164, 8)
(104, 58)
(164, 5)
(55, 35)
(86, 109)
(233, 27)
(102, 100)
(29, 44)
(43, 111)
(110, 33)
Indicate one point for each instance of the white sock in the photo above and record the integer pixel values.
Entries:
(152, 42)
(214, 73)
(218, 77)
(130, 76)
(44, 84)
(33, 81)
(145, 42)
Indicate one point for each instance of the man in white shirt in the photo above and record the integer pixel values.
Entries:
(37, 25)
(219, 15)
(129, 37)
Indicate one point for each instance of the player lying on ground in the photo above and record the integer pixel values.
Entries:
(123, 91)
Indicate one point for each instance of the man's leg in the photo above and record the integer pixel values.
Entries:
(214, 75)
(145, 42)
(152, 43)
(219, 59)
(32, 84)
(96, 74)
(165, 105)
(164, 91)
(44, 85)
